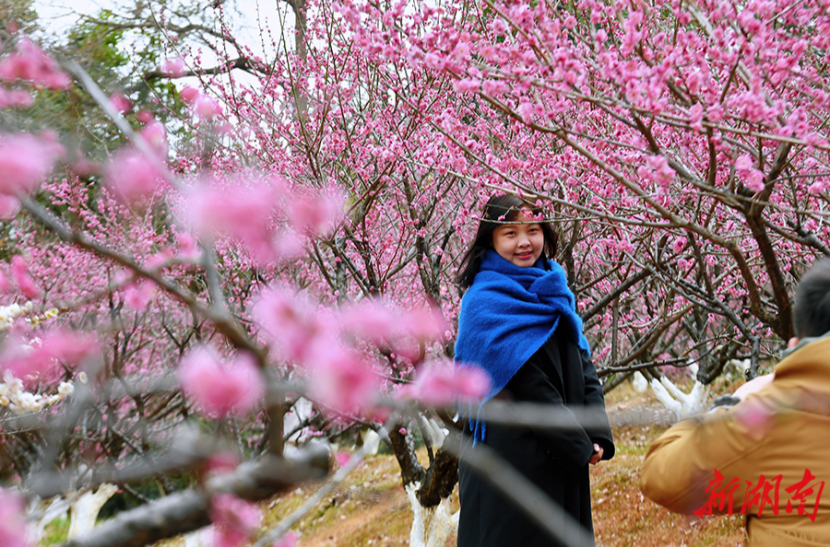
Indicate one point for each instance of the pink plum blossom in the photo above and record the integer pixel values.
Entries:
(526, 112)
(317, 215)
(31, 64)
(145, 116)
(818, 187)
(188, 249)
(288, 246)
(12, 521)
(234, 520)
(85, 168)
(291, 322)
(441, 383)
(288, 540)
(22, 279)
(339, 379)
(494, 88)
(70, 347)
(173, 68)
(206, 108)
(15, 98)
(9, 207)
(220, 388)
(40, 358)
(755, 180)
(424, 324)
(155, 134)
(138, 296)
(370, 319)
(121, 103)
(189, 95)
(245, 213)
(467, 85)
(25, 160)
(744, 163)
(342, 458)
(132, 177)
(221, 463)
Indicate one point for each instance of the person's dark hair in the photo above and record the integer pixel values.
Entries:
(810, 308)
(500, 208)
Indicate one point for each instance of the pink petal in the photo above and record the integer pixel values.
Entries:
(25, 160)
(12, 521)
(220, 388)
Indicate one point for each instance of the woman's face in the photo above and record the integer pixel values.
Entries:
(520, 244)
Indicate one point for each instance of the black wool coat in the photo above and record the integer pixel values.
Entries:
(556, 461)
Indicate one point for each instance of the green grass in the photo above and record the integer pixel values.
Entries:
(56, 531)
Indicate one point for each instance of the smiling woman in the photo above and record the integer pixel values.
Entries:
(518, 324)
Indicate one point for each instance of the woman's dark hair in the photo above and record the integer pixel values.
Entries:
(504, 208)
(810, 307)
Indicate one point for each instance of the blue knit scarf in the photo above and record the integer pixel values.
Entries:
(507, 314)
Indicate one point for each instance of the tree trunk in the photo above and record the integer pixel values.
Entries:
(431, 525)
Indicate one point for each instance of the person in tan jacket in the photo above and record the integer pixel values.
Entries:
(767, 457)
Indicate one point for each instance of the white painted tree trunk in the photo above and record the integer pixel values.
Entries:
(84, 510)
(639, 383)
(680, 403)
(431, 526)
(56, 508)
(199, 538)
(371, 440)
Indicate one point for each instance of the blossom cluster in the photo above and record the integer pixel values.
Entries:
(9, 313)
(19, 401)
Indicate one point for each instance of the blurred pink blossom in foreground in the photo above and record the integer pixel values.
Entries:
(15, 98)
(9, 207)
(288, 540)
(121, 103)
(317, 215)
(189, 95)
(31, 64)
(206, 108)
(155, 135)
(290, 322)
(371, 319)
(380, 322)
(440, 383)
(243, 212)
(25, 160)
(341, 380)
(21, 276)
(12, 523)
(132, 177)
(220, 388)
(39, 359)
(234, 520)
(173, 68)
(138, 296)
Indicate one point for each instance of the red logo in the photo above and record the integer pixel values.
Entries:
(804, 495)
